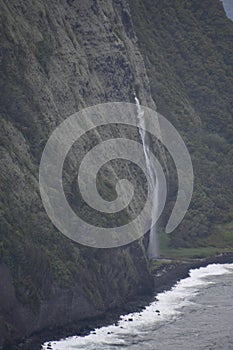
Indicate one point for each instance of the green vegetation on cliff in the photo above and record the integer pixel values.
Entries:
(58, 57)
(188, 50)
(55, 59)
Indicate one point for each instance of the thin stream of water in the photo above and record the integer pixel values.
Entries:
(153, 249)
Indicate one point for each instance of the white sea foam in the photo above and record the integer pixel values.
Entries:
(169, 303)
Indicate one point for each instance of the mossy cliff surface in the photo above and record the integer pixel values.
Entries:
(57, 58)
(188, 51)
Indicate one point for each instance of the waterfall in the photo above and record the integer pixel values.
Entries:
(228, 7)
(153, 247)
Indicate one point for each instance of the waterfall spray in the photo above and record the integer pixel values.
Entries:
(153, 247)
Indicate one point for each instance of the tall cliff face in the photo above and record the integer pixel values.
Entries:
(188, 49)
(57, 58)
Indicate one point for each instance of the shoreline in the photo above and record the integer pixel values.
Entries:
(165, 278)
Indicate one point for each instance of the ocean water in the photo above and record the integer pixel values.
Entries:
(197, 313)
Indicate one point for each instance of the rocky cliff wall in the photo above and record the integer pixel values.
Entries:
(58, 57)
